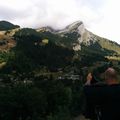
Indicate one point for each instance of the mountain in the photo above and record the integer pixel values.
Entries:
(81, 36)
(43, 71)
(78, 38)
(75, 38)
(4, 25)
(78, 35)
(88, 48)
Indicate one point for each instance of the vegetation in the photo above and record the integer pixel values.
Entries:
(109, 45)
(4, 25)
(37, 80)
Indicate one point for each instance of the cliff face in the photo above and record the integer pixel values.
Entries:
(81, 36)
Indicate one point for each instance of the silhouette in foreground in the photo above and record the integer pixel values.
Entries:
(103, 99)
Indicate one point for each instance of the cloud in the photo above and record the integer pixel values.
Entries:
(109, 24)
(99, 16)
(57, 13)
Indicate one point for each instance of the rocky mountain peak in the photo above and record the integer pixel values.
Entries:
(72, 27)
(81, 34)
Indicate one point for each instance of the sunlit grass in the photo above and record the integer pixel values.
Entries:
(113, 58)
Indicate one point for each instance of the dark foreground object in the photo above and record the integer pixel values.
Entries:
(103, 102)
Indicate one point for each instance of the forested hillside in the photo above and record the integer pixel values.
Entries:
(4, 25)
(42, 72)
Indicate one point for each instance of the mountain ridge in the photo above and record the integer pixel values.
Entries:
(73, 36)
(83, 35)
(5, 25)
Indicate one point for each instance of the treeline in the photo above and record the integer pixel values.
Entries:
(41, 100)
(4, 25)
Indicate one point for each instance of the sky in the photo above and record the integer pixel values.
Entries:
(99, 16)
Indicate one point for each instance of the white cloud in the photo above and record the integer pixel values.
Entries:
(109, 24)
(99, 16)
